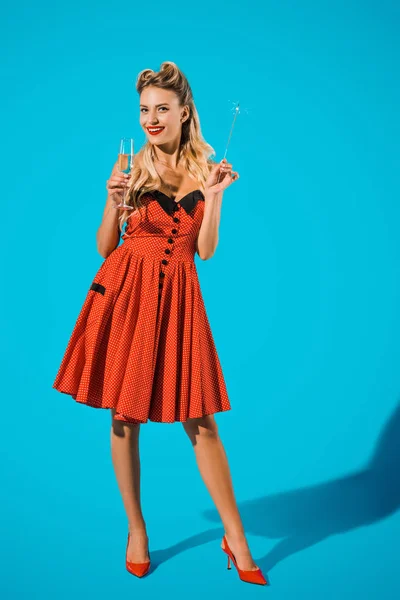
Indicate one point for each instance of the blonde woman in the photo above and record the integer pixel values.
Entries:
(142, 344)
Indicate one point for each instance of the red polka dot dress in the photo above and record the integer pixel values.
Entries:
(142, 343)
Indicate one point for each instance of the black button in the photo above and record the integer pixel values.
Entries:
(167, 251)
(176, 220)
(164, 262)
(170, 240)
(174, 231)
(162, 274)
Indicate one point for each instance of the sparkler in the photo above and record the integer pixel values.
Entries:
(236, 111)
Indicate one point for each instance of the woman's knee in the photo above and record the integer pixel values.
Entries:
(121, 428)
(204, 426)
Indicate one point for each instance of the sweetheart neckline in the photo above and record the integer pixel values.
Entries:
(183, 197)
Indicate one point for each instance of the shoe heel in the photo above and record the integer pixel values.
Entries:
(249, 576)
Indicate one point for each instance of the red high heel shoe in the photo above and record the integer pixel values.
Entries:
(255, 576)
(138, 569)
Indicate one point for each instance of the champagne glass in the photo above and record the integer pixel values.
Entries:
(125, 162)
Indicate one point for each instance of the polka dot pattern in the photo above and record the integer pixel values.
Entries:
(142, 342)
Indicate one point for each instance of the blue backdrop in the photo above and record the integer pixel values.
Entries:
(303, 297)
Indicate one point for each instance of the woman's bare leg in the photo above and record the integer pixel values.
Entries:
(126, 462)
(214, 469)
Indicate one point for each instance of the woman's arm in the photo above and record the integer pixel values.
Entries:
(108, 234)
(207, 239)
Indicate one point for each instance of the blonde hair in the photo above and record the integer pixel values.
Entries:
(194, 152)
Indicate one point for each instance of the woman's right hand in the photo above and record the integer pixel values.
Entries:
(115, 185)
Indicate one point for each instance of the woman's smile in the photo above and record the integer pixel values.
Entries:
(155, 130)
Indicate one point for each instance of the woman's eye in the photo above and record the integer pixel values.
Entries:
(160, 108)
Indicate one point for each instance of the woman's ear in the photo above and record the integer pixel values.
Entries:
(185, 115)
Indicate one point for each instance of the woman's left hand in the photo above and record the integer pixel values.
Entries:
(223, 172)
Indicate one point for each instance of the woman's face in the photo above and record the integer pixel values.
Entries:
(159, 108)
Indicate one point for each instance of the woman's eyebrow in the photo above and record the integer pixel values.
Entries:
(157, 105)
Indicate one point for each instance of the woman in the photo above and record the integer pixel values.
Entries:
(142, 345)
